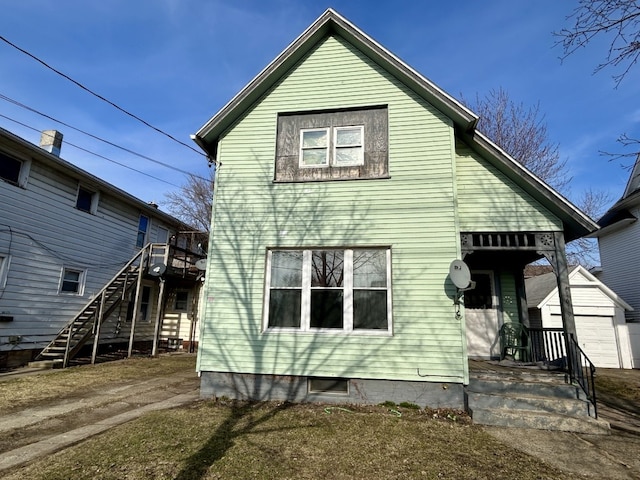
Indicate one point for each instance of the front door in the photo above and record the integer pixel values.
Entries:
(481, 317)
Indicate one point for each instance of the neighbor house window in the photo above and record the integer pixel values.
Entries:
(143, 227)
(14, 171)
(145, 303)
(72, 281)
(87, 200)
(332, 145)
(346, 290)
(4, 269)
(182, 298)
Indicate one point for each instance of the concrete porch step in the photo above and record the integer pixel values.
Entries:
(539, 421)
(500, 386)
(564, 406)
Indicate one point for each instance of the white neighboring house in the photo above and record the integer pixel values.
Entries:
(64, 234)
(619, 245)
(599, 316)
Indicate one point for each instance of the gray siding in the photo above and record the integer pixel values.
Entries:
(42, 232)
(620, 257)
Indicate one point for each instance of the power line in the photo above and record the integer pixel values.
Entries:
(31, 109)
(94, 153)
(99, 96)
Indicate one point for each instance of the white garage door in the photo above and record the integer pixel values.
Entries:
(597, 338)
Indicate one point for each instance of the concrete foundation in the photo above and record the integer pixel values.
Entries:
(359, 391)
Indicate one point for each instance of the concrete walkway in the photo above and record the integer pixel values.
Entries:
(92, 415)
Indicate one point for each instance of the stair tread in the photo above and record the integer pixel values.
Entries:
(539, 420)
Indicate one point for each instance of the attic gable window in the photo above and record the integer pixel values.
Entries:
(348, 148)
(314, 147)
(329, 290)
(346, 144)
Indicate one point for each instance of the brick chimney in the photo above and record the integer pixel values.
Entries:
(51, 141)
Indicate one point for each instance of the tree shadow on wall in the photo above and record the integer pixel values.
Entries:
(248, 218)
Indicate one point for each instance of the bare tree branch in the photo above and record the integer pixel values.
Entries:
(522, 133)
(192, 203)
(617, 19)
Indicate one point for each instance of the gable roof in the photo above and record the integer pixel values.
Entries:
(576, 223)
(542, 288)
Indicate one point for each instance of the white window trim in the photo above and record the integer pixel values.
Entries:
(95, 198)
(327, 148)
(81, 281)
(336, 147)
(305, 322)
(25, 169)
(5, 261)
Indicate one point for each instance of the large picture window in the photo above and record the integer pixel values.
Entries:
(345, 290)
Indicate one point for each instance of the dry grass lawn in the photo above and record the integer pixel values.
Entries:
(228, 440)
(28, 391)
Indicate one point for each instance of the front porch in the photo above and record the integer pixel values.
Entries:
(528, 395)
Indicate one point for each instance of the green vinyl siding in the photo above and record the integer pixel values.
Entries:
(412, 212)
(509, 300)
(489, 201)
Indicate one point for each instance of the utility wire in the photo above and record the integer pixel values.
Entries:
(99, 96)
(94, 153)
(31, 109)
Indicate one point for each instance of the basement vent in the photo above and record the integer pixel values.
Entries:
(338, 386)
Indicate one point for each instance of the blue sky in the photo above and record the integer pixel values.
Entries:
(174, 63)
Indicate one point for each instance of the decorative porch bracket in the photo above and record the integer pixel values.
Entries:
(548, 244)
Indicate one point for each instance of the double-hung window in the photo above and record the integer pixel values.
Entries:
(348, 146)
(331, 290)
(72, 281)
(337, 146)
(314, 147)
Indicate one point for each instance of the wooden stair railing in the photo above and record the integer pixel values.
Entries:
(86, 324)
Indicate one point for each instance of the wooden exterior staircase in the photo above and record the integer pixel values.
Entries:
(86, 324)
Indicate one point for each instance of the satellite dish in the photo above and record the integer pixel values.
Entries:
(157, 269)
(460, 274)
(201, 264)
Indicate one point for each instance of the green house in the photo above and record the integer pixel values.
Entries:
(346, 185)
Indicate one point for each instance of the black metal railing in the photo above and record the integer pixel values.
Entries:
(549, 345)
(582, 372)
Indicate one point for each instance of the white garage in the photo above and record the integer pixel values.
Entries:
(599, 315)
